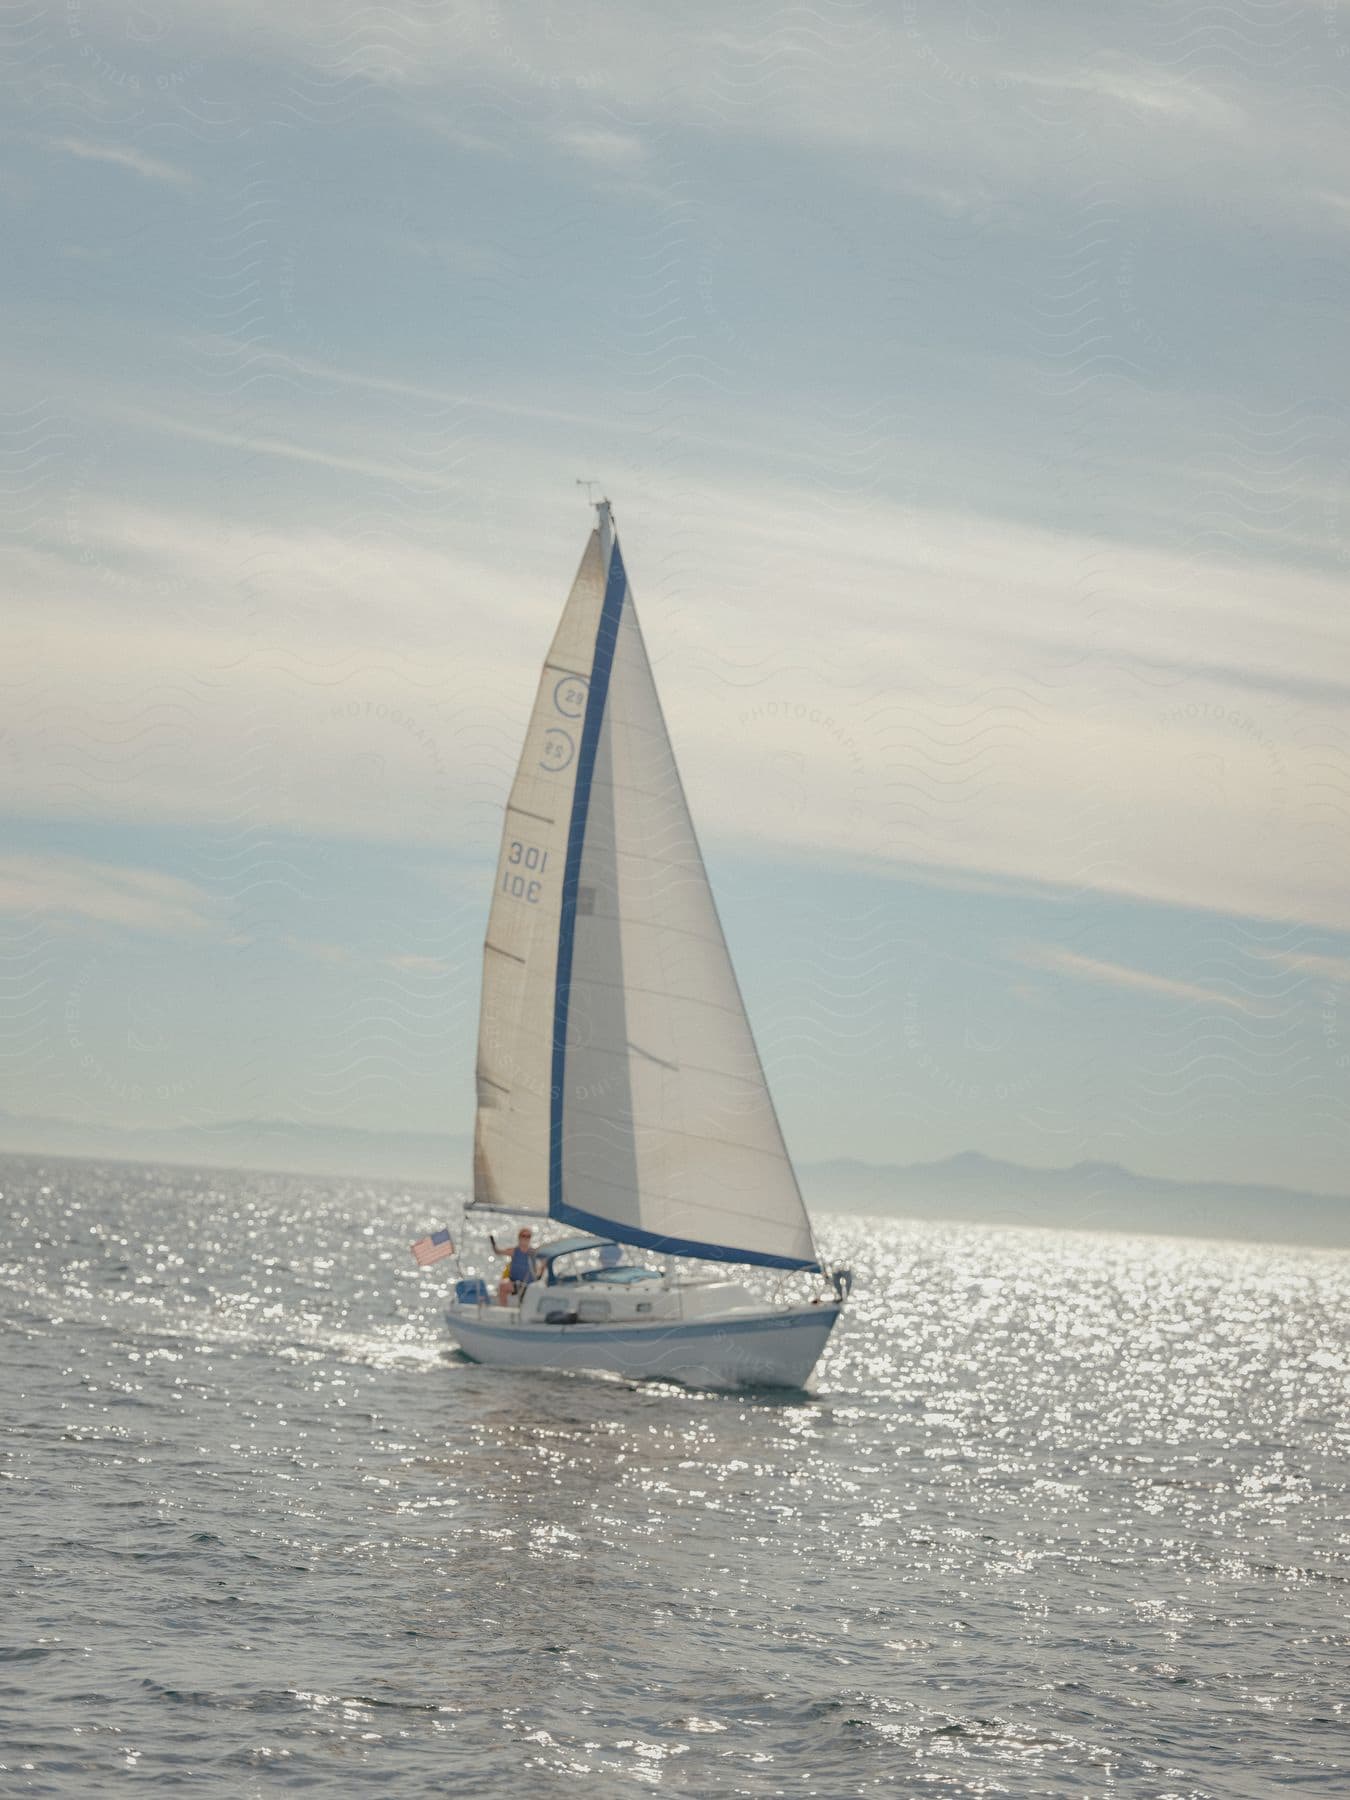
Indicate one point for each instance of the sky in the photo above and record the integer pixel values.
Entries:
(970, 384)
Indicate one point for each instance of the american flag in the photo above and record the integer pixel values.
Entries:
(432, 1249)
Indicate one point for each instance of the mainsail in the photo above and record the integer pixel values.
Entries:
(618, 1079)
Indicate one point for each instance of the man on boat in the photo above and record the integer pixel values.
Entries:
(523, 1268)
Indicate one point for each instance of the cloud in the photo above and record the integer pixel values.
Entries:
(958, 716)
(1334, 969)
(420, 965)
(1145, 88)
(1055, 960)
(618, 151)
(123, 156)
(1022, 101)
(318, 951)
(617, 161)
(75, 887)
(268, 360)
(261, 444)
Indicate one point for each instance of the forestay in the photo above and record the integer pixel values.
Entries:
(617, 1073)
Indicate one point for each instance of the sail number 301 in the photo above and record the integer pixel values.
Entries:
(519, 859)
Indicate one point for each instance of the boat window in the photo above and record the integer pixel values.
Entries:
(597, 1264)
(584, 1265)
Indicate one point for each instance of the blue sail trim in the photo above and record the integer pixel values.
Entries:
(672, 1246)
(606, 640)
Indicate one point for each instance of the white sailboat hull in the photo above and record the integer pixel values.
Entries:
(774, 1348)
(619, 1090)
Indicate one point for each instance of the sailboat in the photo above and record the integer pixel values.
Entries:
(620, 1092)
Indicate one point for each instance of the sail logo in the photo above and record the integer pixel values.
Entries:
(559, 750)
(569, 696)
(527, 857)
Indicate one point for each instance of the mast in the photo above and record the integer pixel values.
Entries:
(604, 519)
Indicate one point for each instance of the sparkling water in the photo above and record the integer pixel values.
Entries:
(1063, 1515)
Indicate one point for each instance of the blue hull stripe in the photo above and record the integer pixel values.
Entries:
(819, 1316)
(672, 1246)
(606, 638)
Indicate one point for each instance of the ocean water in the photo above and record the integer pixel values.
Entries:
(1064, 1515)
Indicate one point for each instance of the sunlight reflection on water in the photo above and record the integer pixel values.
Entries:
(1064, 1514)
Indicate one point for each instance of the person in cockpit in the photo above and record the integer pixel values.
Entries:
(523, 1268)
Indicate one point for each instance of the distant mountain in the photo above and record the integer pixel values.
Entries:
(253, 1144)
(1090, 1196)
